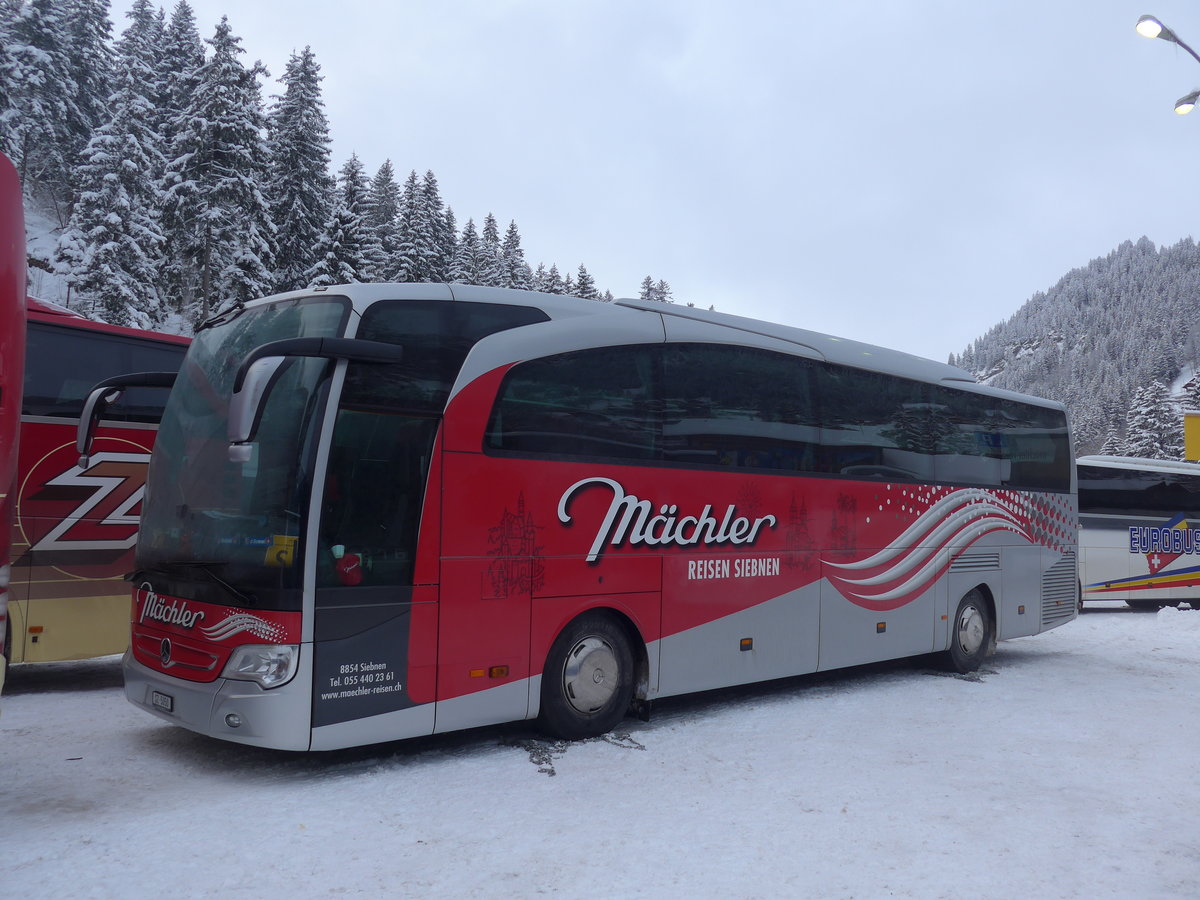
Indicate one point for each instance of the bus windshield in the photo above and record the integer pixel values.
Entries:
(215, 523)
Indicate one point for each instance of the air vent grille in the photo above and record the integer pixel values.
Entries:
(1060, 587)
(976, 562)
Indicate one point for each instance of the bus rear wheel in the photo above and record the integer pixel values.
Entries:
(587, 684)
(970, 634)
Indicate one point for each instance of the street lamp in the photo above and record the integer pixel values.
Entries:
(1151, 27)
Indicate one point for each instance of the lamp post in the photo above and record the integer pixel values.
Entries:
(1151, 27)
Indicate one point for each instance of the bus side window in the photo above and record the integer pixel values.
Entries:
(970, 448)
(63, 364)
(995, 442)
(737, 407)
(875, 426)
(597, 404)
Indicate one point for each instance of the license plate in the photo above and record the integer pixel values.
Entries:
(165, 702)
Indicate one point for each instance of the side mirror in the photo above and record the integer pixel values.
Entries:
(104, 395)
(246, 403)
(263, 366)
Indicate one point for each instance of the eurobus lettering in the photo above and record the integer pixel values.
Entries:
(75, 525)
(1164, 539)
(1138, 538)
(381, 511)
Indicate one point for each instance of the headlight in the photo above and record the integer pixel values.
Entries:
(271, 665)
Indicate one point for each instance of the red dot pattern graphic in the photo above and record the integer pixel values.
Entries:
(1050, 520)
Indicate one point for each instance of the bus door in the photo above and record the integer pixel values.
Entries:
(374, 623)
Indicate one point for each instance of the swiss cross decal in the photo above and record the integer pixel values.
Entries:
(1163, 544)
(109, 495)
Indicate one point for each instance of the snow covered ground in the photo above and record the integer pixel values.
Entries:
(1066, 768)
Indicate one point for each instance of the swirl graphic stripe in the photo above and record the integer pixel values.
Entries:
(915, 559)
(239, 623)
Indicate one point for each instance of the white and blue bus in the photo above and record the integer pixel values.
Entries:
(1139, 531)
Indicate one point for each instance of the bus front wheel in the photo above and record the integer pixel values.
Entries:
(587, 684)
(970, 634)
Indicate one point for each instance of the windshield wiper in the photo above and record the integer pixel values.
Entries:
(206, 566)
(221, 317)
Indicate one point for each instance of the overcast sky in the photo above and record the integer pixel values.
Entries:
(903, 173)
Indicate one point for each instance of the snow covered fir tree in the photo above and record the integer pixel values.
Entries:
(172, 187)
(174, 177)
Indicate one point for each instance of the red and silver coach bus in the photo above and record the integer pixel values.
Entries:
(381, 511)
(12, 362)
(75, 526)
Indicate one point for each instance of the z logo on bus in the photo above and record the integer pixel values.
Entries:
(106, 519)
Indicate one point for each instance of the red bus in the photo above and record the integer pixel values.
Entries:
(75, 526)
(382, 511)
(12, 361)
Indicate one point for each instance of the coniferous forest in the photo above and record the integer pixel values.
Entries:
(1117, 341)
(175, 187)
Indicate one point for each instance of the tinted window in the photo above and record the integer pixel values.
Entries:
(875, 426)
(436, 336)
(1136, 492)
(710, 405)
(374, 489)
(735, 406)
(593, 403)
(1038, 445)
(998, 442)
(63, 364)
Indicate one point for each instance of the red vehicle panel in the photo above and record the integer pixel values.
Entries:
(74, 528)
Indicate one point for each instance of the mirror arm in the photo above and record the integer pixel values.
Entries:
(321, 348)
(103, 395)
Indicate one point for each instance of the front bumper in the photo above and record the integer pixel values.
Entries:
(279, 718)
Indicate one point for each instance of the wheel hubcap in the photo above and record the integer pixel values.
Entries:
(970, 630)
(591, 675)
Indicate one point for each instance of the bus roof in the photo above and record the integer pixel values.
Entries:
(814, 344)
(1176, 466)
(53, 314)
(45, 307)
(832, 349)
